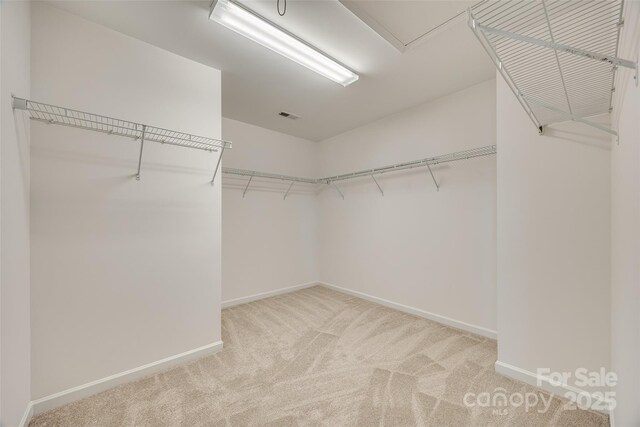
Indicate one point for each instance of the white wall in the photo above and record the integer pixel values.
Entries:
(625, 232)
(14, 216)
(268, 243)
(433, 251)
(124, 273)
(553, 243)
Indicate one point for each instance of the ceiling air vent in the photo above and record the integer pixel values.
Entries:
(288, 115)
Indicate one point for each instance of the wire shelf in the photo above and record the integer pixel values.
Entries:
(331, 180)
(451, 157)
(54, 114)
(559, 57)
(79, 119)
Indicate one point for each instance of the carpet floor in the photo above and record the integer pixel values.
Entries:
(321, 357)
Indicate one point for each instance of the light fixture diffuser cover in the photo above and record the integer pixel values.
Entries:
(249, 24)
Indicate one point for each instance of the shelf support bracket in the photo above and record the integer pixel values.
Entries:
(288, 189)
(247, 186)
(337, 189)
(215, 172)
(561, 47)
(433, 177)
(571, 116)
(18, 103)
(495, 58)
(379, 188)
(144, 130)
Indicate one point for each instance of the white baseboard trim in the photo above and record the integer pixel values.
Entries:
(256, 297)
(478, 330)
(76, 393)
(546, 384)
(28, 414)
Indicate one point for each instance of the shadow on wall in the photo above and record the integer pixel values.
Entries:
(22, 134)
(113, 160)
(584, 136)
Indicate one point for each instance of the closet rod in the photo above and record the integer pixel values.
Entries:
(428, 162)
(250, 173)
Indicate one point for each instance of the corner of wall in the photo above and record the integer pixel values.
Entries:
(15, 340)
(625, 229)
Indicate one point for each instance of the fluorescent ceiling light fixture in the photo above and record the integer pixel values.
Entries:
(253, 26)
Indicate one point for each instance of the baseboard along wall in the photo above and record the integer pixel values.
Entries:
(262, 295)
(28, 414)
(76, 393)
(478, 330)
(474, 329)
(552, 387)
(80, 392)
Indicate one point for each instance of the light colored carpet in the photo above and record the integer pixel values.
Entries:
(320, 357)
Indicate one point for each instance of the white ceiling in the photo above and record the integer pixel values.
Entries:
(257, 84)
(406, 23)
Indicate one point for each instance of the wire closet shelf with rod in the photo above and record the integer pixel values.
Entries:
(558, 57)
(366, 173)
(57, 115)
(53, 114)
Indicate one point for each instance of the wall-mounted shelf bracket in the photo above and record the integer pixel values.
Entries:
(288, 189)
(488, 47)
(215, 172)
(433, 177)
(247, 186)
(379, 188)
(571, 116)
(144, 131)
(337, 189)
(18, 103)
